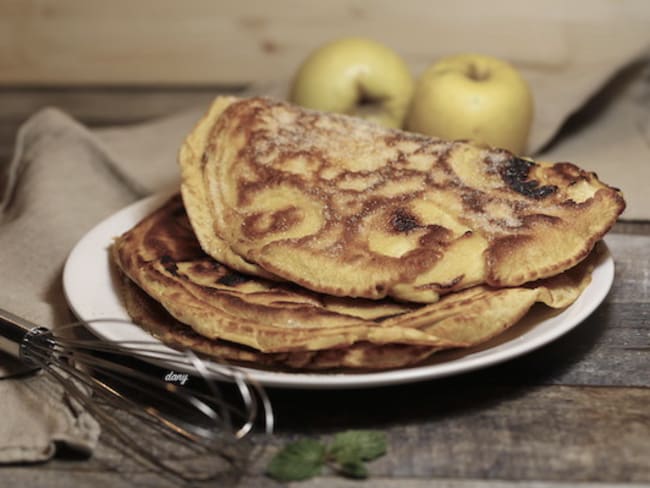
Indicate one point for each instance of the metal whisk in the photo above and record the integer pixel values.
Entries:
(182, 430)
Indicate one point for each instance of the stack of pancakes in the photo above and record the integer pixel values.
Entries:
(311, 240)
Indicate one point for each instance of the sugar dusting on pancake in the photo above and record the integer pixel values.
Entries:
(347, 208)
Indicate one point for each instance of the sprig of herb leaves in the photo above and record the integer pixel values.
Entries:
(346, 454)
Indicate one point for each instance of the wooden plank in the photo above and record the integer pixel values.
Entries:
(206, 41)
(331, 482)
(37, 478)
(632, 227)
(631, 257)
(600, 351)
(479, 436)
(456, 431)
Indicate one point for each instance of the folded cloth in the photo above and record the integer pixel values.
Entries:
(60, 182)
(38, 418)
(610, 135)
(64, 178)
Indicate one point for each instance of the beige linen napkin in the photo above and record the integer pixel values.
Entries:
(65, 178)
(61, 182)
(611, 136)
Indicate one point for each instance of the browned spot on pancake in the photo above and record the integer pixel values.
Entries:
(159, 244)
(403, 221)
(393, 138)
(499, 250)
(475, 200)
(401, 158)
(261, 224)
(569, 172)
(436, 235)
(263, 178)
(179, 214)
(233, 279)
(549, 220)
(442, 164)
(442, 287)
(515, 174)
(169, 264)
(170, 229)
(207, 267)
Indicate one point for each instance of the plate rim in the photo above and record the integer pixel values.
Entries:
(96, 243)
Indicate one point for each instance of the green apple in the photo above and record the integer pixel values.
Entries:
(355, 76)
(473, 96)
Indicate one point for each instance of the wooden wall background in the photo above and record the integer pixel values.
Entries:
(199, 42)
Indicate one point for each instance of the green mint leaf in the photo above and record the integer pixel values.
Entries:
(358, 445)
(354, 469)
(297, 461)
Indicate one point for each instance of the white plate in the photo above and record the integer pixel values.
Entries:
(89, 286)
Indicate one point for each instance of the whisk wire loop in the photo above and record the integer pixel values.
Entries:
(120, 384)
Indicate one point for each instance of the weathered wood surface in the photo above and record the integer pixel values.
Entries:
(574, 411)
(217, 41)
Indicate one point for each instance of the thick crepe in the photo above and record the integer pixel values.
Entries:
(162, 256)
(344, 207)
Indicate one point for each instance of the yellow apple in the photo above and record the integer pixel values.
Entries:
(355, 76)
(473, 96)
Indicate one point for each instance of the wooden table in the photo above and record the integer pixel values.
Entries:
(574, 411)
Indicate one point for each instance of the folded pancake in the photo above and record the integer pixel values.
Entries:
(195, 197)
(347, 208)
(149, 314)
(162, 256)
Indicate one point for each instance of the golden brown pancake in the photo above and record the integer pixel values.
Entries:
(149, 314)
(195, 199)
(163, 257)
(347, 208)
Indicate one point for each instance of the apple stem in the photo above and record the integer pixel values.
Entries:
(476, 73)
(366, 100)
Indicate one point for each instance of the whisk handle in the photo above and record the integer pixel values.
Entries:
(16, 333)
